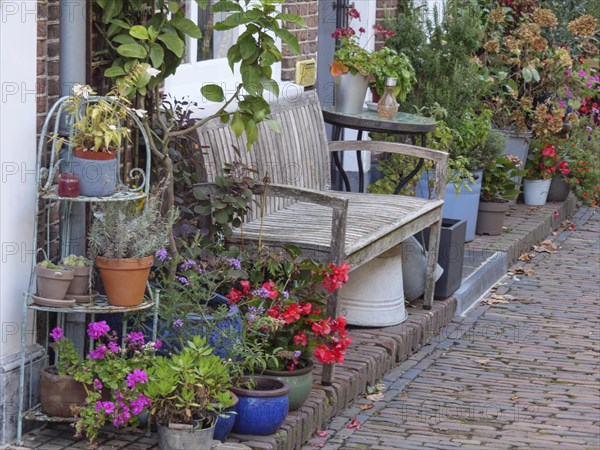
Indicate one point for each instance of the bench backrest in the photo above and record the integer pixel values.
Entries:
(296, 156)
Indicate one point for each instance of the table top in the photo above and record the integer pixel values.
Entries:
(402, 123)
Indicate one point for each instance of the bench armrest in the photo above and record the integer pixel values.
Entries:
(438, 157)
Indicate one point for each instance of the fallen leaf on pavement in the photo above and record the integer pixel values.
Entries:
(497, 298)
(526, 257)
(523, 271)
(364, 406)
(545, 247)
(321, 433)
(353, 424)
(482, 361)
(375, 397)
(515, 398)
(533, 209)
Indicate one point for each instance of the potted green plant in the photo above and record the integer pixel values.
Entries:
(497, 188)
(388, 63)
(188, 391)
(123, 240)
(352, 65)
(98, 131)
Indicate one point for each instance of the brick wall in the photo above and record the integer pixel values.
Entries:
(385, 9)
(307, 37)
(48, 34)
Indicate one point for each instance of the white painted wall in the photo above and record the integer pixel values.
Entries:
(17, 162)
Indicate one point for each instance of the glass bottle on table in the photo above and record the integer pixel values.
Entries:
(387, 107)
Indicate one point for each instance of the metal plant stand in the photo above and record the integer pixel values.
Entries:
(48, 165)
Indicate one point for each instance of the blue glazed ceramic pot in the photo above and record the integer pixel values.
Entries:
(263, 409)
(226, 421)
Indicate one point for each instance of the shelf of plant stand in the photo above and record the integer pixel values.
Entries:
(99, 306)
(119, 196)
(37, 415)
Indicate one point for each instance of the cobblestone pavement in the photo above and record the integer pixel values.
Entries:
(521, 374)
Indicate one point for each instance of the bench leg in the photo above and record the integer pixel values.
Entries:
(432, 257)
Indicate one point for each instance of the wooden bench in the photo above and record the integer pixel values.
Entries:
(300, 209)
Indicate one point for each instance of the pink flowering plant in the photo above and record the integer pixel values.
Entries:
(112, 375)
(284, 302)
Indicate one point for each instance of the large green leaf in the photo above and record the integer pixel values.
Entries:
(213, 93)
(132, 51)
(237, 124)
(139, 32)
(173, 6)
(114, 72)
(124, 39)
(249, 48)
(173, 43)
(292, 18)
(251, 131)
(251, 77)
(289, 39)
(186, 26)
(226, 6)
(120, 23)
(232, 21)
(157, 55)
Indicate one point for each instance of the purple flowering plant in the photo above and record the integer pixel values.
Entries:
(112, 375)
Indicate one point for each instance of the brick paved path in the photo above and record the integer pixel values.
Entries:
(525, 374)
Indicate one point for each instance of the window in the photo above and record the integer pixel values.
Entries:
(213, 44)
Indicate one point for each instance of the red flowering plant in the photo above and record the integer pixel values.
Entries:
(583, 150)
(544, 162)
(350, 56)
(112, 375)
(284, 301)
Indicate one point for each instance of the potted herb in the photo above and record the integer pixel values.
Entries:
(498, 187)
(388, 63)
(123, 240)
(188, 391)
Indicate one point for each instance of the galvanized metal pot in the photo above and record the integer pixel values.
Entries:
(350, 91)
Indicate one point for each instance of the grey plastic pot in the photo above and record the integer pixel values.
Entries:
(53, 283)
(491, 217)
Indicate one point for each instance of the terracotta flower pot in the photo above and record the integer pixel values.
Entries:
(60, 395)
(491, 217)
(125, 279)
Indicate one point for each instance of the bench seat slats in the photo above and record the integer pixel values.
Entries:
(371, 217)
